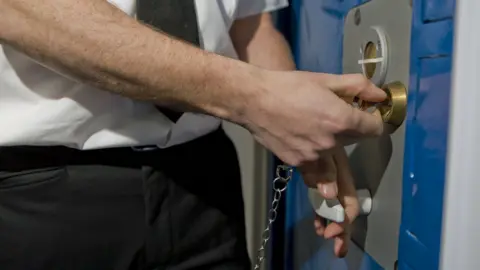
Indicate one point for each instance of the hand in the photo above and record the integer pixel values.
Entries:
(332, 171)
(301, 115)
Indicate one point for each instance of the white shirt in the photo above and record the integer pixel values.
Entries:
(41, 107)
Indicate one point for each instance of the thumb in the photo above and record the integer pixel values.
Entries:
(355, 85)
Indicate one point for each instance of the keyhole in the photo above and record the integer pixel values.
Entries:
(370, 52)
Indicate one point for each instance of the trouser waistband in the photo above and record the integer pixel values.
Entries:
(15, 158)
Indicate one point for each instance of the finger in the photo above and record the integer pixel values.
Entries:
(347, 194)
(347, 86)
(321, 174)
(341, 246)
(364, 124)
(334, 229)
(348, 198)
(351, 136)
(354, 85)
(319, 225)
(328, 189)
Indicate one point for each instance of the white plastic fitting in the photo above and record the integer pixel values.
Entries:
(333, 210)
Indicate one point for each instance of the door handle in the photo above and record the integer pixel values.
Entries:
(333, 210)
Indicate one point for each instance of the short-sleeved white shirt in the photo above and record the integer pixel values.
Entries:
(41, 107)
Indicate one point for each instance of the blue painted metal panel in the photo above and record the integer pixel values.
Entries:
(403, 266)
(436, 10)
(433, 39)
(426, 135)
(423, 186)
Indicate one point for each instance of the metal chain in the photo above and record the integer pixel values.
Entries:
(283, 175)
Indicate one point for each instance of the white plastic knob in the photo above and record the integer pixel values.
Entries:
(333, 210)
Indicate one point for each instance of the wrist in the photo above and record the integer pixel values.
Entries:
(241, 87)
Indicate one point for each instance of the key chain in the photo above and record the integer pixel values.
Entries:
(283, 176)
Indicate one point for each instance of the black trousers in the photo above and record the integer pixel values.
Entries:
(175, 208)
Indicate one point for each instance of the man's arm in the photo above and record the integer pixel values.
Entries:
(258, 42)
(95, 42)
(100, 45)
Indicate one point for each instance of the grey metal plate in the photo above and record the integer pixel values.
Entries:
(377, 164)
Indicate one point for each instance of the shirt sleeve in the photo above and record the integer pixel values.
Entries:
(253, 7)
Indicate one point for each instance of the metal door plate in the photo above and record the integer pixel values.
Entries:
(377, 164)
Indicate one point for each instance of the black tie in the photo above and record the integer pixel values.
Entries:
(174, 17)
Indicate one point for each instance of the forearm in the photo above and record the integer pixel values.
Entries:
(98, 44)
(264, 46)
(270, 51)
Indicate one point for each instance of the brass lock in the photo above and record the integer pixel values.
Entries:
(394, 109)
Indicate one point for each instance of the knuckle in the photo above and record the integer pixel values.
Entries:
(352, 213)
(358, 78)
(306, 157)
(354, 209)
(310, 155)
(365, 83)
(292, 160)
(326, 143)
(360, 82)
(342, 122)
